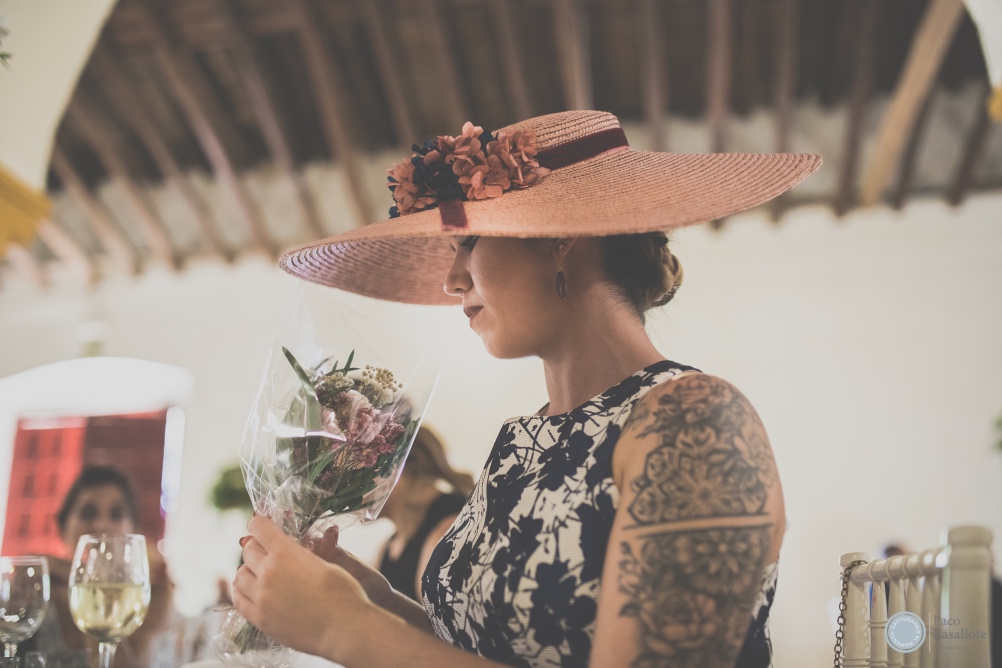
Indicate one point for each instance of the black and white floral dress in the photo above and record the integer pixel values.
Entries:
(516, 579)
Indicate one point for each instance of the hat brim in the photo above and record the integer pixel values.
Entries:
(622, 191)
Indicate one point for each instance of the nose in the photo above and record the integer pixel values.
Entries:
(458, 279)
(101, 524)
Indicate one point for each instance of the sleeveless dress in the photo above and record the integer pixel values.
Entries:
(516, 579)
(402, 571)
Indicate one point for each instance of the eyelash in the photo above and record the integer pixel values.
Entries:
(469, 242)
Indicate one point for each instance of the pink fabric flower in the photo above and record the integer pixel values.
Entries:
(483, 172)
(486, 180)
(517, 152)
(407, 194)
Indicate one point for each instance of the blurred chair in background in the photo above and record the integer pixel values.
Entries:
(937, 610)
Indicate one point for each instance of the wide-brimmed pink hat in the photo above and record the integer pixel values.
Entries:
(565, 174)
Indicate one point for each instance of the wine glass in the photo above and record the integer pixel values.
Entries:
(24, 597)
(109, 588)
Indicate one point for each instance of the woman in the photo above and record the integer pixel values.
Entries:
(636, 520)
(101, 500)
(421, 512)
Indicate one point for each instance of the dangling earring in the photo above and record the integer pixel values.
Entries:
(561, 281)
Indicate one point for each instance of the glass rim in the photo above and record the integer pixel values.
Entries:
(25, 559)
(106, 536)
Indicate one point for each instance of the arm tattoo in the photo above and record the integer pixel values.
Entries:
(692, 591)
(712, 460)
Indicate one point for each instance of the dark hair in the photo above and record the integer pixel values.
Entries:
(96, 476)
(427, 459)
(646, 271)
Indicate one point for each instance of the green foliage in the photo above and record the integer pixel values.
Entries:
(998, 429)
(229, 492)
(4, 56)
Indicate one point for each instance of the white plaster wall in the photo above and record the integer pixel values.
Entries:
(871, 346)
(50, 40)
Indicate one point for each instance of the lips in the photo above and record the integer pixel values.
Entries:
(471, 311)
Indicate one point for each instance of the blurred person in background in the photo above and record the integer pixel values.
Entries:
(101, 500)
(422, 512)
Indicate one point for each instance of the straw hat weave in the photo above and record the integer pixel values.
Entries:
(618, 191)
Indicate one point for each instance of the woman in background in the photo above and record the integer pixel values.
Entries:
(421, 511)
(101, 501)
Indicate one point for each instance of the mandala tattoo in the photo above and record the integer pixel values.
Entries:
(713, 458)
(692, 593)
(692, 590)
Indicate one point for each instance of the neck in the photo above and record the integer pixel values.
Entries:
(601, 344)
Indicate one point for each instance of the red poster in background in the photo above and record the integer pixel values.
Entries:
(50, 453)
(48, 456)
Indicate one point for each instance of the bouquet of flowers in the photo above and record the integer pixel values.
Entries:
(326, 440)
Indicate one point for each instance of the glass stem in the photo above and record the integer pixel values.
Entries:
(106, 653)
(9, 649)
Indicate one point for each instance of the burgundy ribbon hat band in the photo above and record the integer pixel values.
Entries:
(450, 170)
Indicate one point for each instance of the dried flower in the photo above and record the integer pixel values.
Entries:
(472, 166)
(486, 180)
(517, 151)
(408, 195)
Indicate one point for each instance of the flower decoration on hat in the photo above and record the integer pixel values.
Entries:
(471, 166)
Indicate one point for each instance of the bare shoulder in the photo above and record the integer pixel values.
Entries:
(699, 519)
(694, 448)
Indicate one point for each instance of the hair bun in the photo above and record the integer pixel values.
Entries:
(643, 267)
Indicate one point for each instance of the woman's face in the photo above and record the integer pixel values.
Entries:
(101, 509)
(508, 287)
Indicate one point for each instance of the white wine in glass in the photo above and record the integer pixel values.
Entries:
(109, 588)
(24, 598)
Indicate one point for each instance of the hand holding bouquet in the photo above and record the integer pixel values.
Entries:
(325, 442)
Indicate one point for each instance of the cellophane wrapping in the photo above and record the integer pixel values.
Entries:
(335, 415)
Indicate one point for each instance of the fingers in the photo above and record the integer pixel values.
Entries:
(244, 605)
(245, 585)
(254, 556)
(266, 533)
(326, 546)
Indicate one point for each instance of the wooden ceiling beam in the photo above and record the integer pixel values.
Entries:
(207, 121)
(69, 252)
(719, 19)
(511, 58)
(862, 85)
(786, 20)
(907, 170)
(400, 109)
(449, 81)
(198, 22)
(119, 93)
(925, 58)
(327, 86)
(973, 149)
(93, 128)
(25, 264)
(571, 26)
(653, 74)
(122, 256)
(260, 91)
(749, 46)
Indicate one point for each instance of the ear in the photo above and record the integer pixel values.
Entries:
(562, 246)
